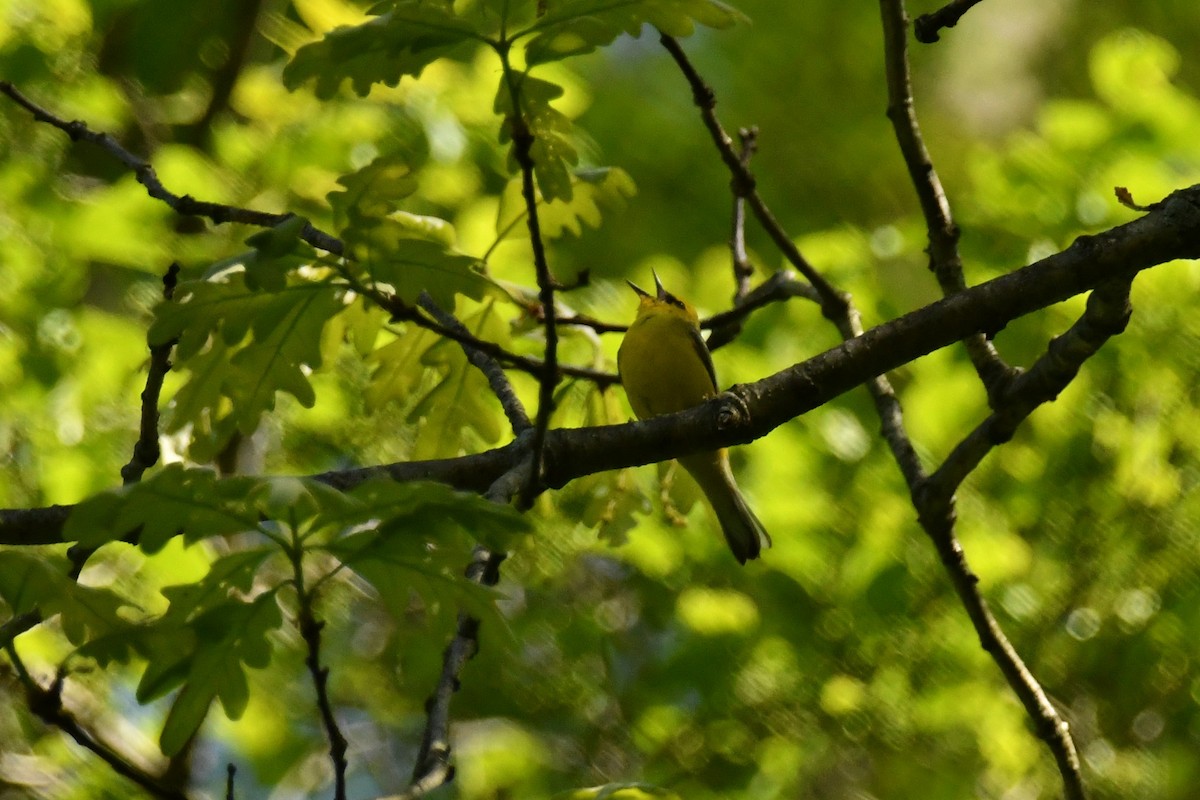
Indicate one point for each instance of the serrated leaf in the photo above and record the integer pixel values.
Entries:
(402, 41)
(461, 399)
(212, 319)
(173, 501)
(594, 191)
(552, 151)
(33, 582)
(375, 190)
(575, 27)
(392, 252)
(230, 637)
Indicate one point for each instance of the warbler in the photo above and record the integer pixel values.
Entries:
(666, 367)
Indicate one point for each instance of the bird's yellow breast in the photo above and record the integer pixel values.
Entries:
(660, 365)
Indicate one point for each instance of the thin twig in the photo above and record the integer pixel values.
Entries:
(47, 705)
(1106, 315)
(185, 204)
(523, 140)
(220, 213)
(944, 259)
(433, 768)
(938, 526)
(928, 26)
(742, 269)
(743, 181)
(146, 451)
(782, 285)
(491, 369)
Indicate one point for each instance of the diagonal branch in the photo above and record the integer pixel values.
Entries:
(316, 237)
(47, 704)
(944, 259)
(491, 369)
(928, 26)
(749, 411)
(146, 451)
(523, 140)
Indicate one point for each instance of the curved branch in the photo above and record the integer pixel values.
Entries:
(750, 411)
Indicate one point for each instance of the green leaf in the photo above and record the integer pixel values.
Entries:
(552, 150)
(575, 27)
(399, 367)
(422, 540)
(277, 252)
(173, 501)
(286, 333)
(229, 638)
(593, 192)
(33, 582)
(375, 190)
(618, 791)
(461, 400)
(394, 252)
(402, 41)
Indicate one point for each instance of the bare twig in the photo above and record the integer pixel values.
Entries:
(310, 630)
(185, 204)
(780, 286)
(146, 451)
(1106, 315)
(47, 705)
(523, 139)
(219, 213)
(743, 180)
(742, 269)
(939, 526)
(944, 259)
(501, 387)
(433, 768)
(928, 26)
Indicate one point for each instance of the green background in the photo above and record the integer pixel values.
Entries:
(841, 665)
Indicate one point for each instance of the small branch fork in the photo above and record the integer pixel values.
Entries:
(47, 704)
(944, 259)
(933, 498)
(928, 26)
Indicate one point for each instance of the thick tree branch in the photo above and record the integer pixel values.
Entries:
(944, 259)
(750, 411)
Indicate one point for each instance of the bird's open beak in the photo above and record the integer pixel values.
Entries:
(641, 292)
(662, 293)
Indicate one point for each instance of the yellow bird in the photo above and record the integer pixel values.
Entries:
(665, 367)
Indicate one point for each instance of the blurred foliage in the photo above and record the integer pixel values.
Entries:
(625, 651)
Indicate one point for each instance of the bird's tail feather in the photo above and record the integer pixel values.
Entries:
(743, 531)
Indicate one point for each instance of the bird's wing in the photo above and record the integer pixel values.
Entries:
(705, 357)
